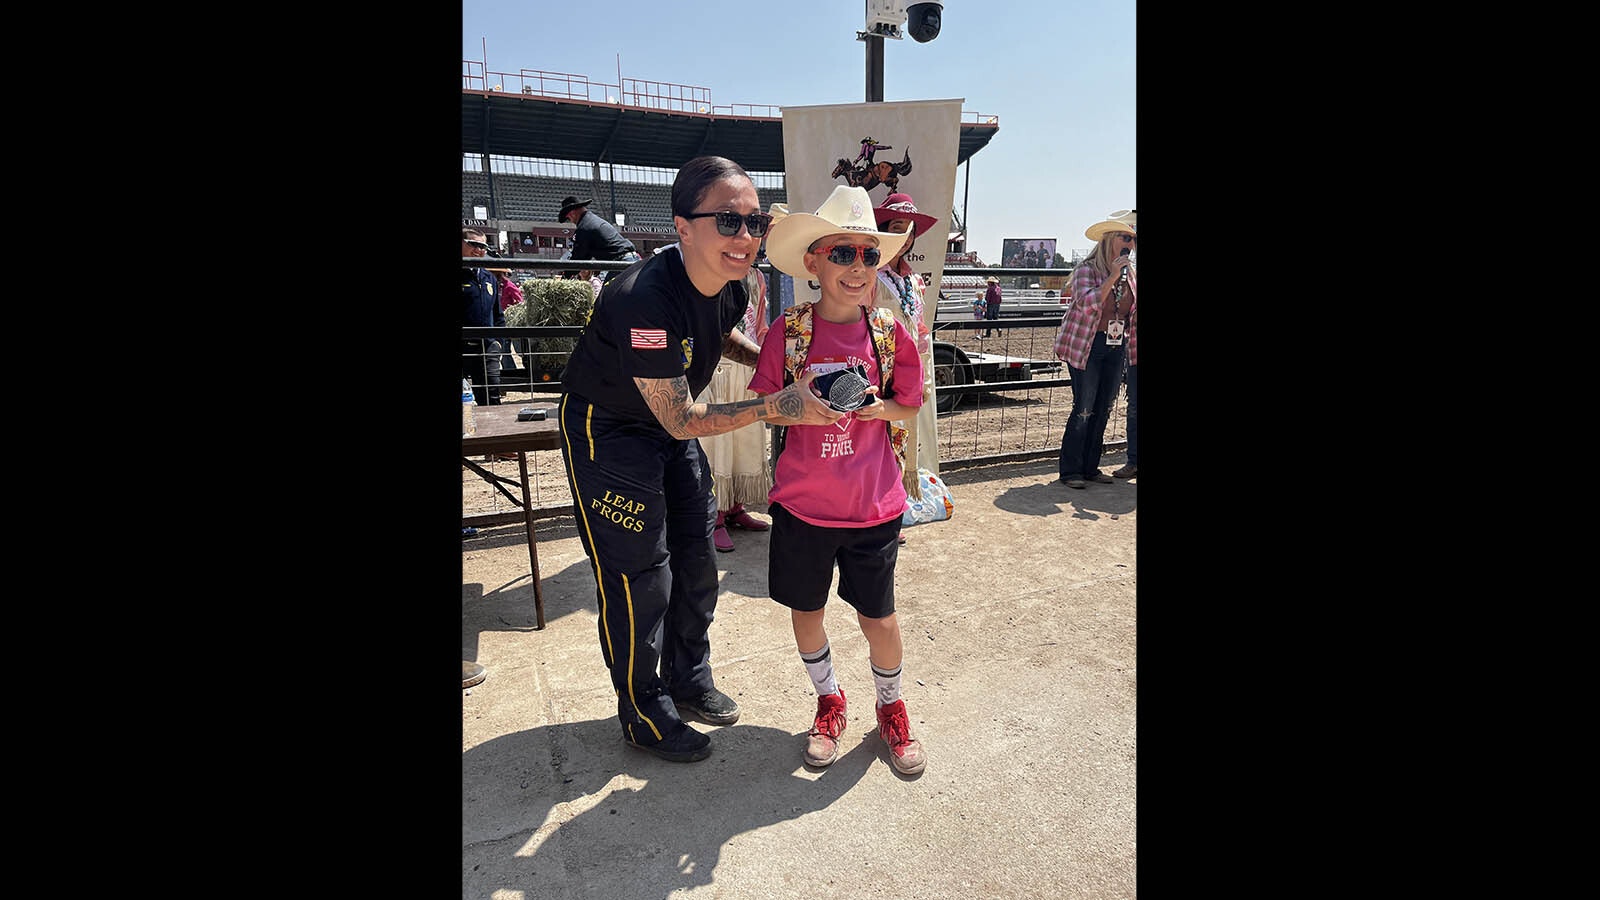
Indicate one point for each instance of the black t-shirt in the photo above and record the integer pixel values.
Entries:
(650, 322)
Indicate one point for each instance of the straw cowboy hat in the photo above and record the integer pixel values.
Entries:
(901, 206)
(776, 211)
(1121, 220)
(570, 204)
(846, 209)
(992, 280)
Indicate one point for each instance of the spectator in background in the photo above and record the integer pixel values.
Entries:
(1091, 343)
(480, 295)
(781, 297)
(1131, 470)
(738, 458)
(991, 303)
(511, 295)
(595, 238)
(781, 292)
(902, 291)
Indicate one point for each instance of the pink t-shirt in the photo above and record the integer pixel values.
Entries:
(842, 475)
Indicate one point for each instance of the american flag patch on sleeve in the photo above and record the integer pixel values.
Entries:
(648, 338)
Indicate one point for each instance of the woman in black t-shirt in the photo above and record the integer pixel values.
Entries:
(641, 487)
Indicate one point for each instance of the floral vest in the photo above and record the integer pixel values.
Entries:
(797, 344)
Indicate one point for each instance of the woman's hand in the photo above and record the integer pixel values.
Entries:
(800, 403)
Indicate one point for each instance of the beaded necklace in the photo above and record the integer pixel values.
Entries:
(902, 286)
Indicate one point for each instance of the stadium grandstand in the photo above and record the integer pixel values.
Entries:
(531, 138)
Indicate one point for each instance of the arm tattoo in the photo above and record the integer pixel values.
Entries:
(790, 404)
(741, 349)
(669, 399)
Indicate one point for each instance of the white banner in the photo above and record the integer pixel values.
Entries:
(915, 146)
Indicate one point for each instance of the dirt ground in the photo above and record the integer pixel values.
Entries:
(983, 425)
(1019, 624)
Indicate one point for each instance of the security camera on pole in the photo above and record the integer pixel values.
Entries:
(884, 18)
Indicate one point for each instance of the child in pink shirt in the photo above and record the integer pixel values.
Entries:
(837, 495)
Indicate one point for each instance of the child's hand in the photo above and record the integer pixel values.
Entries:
(871, 407)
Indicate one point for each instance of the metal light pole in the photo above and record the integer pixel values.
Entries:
(874, 68)
(883, 18)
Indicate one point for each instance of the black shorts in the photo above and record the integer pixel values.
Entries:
(801, 557)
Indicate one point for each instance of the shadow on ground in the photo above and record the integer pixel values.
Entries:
(561, 805)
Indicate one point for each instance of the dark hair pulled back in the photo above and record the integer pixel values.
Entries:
(696, 176)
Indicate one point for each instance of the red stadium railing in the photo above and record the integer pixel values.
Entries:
(634, 92)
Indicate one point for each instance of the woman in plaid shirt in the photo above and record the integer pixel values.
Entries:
(1092, 342)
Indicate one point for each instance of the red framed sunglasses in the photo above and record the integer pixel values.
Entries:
(847, 254)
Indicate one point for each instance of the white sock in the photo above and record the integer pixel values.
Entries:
(888, 685)
(819, 666)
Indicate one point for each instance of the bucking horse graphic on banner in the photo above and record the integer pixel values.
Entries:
(869, 175)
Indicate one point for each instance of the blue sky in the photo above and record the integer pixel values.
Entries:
(1060, 74)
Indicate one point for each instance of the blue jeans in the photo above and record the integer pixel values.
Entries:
(1094, 389)
(630, 256)
(480, 361)
(1133, 415)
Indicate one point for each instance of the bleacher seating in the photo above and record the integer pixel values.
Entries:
(474, 186)
(550, 191)
(769, 196)
(517, 196)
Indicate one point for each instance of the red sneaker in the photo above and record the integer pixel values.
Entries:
(822, 744)
(905, 751)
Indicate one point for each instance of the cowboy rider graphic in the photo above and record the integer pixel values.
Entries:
(868, 148)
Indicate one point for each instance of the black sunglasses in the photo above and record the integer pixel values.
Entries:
(845, 254)
(479, 244)
(1129, 239)
(728, 222)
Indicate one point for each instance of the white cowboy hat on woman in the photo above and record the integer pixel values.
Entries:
(846, 209)
(1120, 221)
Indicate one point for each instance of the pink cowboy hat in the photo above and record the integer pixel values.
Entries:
(901, 206)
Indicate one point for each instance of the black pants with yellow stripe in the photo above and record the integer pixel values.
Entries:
(645, 509)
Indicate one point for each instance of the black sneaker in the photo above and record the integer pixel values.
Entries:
(713, 707)
(681, 745)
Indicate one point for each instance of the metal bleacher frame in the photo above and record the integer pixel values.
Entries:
(644, 194)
